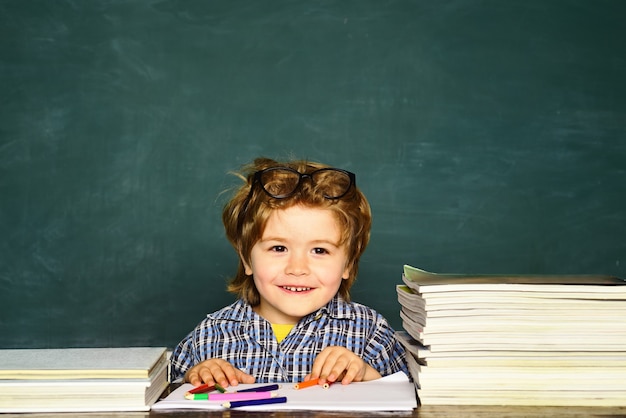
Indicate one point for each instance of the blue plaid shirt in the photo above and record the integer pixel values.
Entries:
(239, 335)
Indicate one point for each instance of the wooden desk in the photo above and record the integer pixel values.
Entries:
(422, 412)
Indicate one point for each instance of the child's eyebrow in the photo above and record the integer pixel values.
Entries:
(314, 242)
(325, 241)
(272, 239)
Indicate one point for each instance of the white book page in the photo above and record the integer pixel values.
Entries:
(390, 393)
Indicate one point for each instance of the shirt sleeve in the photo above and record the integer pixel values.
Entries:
(183, 358)
(383, 351)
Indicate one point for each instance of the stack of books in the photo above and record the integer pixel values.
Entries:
(82, 379)
(515, 340)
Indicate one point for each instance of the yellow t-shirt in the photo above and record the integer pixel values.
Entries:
(281, 331)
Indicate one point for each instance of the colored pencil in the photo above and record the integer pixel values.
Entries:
(205, 389)
(237, 404)
(233, 396)
(312, 382)
(201, 389)
(306, 384)
(260, 389)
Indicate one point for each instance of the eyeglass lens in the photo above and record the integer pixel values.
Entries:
(282, 182)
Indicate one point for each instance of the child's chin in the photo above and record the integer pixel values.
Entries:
(299, 311)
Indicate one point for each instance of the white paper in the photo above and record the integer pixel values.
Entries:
(390, 393)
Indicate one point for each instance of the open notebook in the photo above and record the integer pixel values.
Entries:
(390, 393)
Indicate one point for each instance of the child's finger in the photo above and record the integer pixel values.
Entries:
(334, 366)
(195, 379)
(243, 377)
(318, 364)
(352, 373)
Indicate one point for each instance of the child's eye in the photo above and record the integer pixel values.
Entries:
(320, 251)
(279, 248)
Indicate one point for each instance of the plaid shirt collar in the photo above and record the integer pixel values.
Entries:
(241, 311)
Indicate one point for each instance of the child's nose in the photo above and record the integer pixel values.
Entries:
(297, 265)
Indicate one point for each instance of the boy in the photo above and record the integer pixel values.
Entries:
(299, 229)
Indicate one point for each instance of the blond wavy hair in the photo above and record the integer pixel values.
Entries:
(246, 214)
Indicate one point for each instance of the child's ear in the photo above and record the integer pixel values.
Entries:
(247, 269)
(346, 273)
(246, 266)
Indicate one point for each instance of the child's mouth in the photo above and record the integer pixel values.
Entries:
(296, 288)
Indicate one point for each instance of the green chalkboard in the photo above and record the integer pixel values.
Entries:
(490, 137)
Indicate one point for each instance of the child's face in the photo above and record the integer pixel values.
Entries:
(297, 264)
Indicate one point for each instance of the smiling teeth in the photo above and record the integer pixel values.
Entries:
(297, 289)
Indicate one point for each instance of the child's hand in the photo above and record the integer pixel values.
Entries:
(218, 371)
(338, 363)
